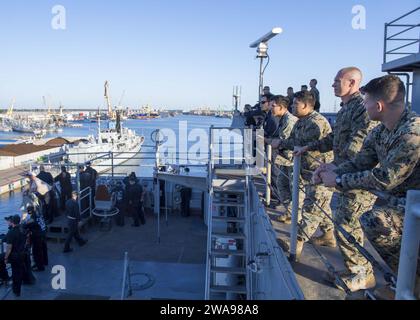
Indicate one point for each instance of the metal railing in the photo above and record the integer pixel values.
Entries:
(407, 271)
(126, 290)
(400, 37)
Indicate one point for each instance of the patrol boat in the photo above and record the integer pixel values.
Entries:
(122, 143)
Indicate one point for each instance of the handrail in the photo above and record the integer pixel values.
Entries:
(126, 276)
(409, 248)
(407, 42)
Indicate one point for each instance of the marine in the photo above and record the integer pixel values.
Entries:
(283, 159)
(388, 162)
(310, 127)
(346, 140)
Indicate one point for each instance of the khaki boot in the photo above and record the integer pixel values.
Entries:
(326, 240)
(356, 282)
(384, 293)
(284, 218)
(285, 246)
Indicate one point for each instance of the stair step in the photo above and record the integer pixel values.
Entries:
(228, 204)
(229, 289)
(228, 219)
(229, 185)
(228, 235)
(219, 252)
(228, 270)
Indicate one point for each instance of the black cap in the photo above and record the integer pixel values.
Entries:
(13, 219)
(88, 163)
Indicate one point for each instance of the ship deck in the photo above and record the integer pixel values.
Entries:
(174, 268)
(310, 271)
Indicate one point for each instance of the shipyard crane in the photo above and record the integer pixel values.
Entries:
(9, 113)
(47, 106)
(111, 114)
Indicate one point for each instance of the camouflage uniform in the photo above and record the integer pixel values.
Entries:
(346, 140)
(306, 130)
(389, 162)
(284, 161)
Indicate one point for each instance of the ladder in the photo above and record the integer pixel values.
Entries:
(227, 275)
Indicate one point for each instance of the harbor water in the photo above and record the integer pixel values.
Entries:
(10, 203)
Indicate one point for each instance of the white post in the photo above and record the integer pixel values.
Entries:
(268, 186)
(407, 270)
(295, 207)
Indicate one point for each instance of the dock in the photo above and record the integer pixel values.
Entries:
(12, 179)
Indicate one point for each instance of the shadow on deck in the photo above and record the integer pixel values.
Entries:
(310, 270)
(175, 268)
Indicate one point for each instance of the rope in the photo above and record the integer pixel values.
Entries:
(389, 277)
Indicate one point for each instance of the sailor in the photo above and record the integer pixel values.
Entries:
(271, 123)
(310, 127)
(249, 120)
(40, 189)
(315, 92)
(85, 181)
(93, 176)
(45, 176)
(346, 140)
(118, 190)
(267, 93)
(73, 216)
(134, 201)
(49, 198)
(290, 96)
(186, 194)
(64, 179)
(388, 162)
(271, 132)
(131, 176)
(283, 159)
(36, 228)
(15, 253)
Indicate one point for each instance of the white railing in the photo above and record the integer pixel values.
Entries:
(409, 254)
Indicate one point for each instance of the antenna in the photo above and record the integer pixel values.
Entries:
(262, 45)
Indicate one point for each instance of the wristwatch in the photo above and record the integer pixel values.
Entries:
(338, 182)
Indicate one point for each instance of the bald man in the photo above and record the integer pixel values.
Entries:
(346, 140)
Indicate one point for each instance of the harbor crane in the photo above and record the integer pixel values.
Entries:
(9, 113)
(111, 114)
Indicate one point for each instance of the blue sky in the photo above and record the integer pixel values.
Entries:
(181, 53)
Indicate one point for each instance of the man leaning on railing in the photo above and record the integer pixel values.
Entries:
(388, 162)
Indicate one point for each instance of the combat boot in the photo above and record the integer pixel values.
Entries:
(284, 218)
(384, 293)
(326, 240)
(356, 282)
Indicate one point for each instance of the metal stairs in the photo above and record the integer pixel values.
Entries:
(227, 240)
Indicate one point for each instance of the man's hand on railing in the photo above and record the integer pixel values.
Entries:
(275, 143)
(329, 178)
(325, 167)
(300, 151)
(268, 140)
